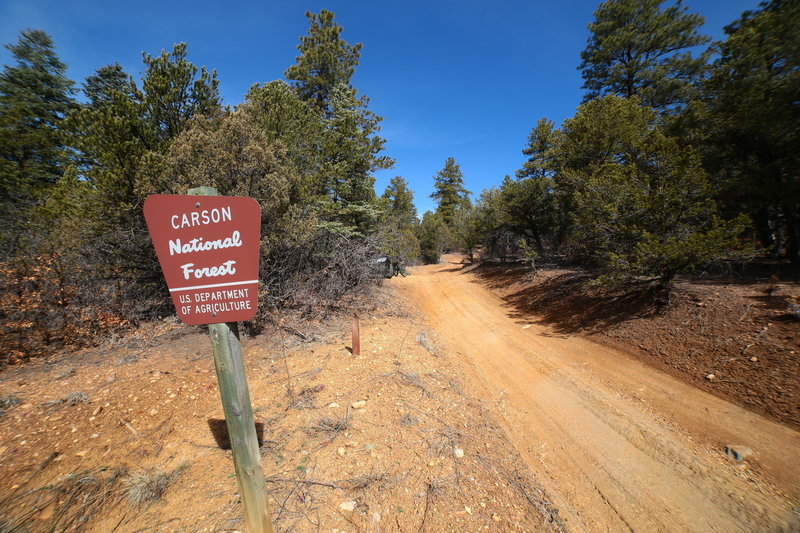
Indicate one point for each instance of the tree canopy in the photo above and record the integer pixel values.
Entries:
(636, 48)
(449, 190)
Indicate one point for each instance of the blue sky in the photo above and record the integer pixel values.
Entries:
(466, 79)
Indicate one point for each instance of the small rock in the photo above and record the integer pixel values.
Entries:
(334, 404)
(432, 463)
(359, 404)
(340, 451)
(81, 453)
(347, 506)
(94, 436)
(153, 412)
(738, 452)
(351, 444)
(711, 377)
(468, 510)
(754, 359)
(496, 518)
(459, 453)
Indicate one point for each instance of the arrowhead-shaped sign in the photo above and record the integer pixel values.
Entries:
(208, 248)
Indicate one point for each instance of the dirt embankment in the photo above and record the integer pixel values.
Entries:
(737, 339)
(132, 438)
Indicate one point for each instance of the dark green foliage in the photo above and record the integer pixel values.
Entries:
(747, 124)
(325, 61)
(348, 148)
(449, 191)
(172, 92)
(400, 202)
(434, 236)
(641, 205)
(636, 48)
(100, 87)
(396, 230)
(35, 96)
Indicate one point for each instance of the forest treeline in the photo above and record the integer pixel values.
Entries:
(684, 153)
(78, 263)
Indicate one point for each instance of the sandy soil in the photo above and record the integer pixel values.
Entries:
(130, 437)
(617, 444)
(734, 337)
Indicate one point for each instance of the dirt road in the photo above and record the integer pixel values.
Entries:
(618, 445)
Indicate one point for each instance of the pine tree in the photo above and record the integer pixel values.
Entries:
(325, 61)
(750, 120)
(641, 204)
(173, 92)
(541, 141)
(100, 87)
(349, 146)
(449, 190)
(638, 49)
(400, 202)
(35, 96)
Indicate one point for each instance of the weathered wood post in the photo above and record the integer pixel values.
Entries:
(356, 336)
(238, 411)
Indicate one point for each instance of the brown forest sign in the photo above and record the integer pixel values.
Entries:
(208, 250)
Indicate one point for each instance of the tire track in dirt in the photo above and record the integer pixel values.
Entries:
(620, 446)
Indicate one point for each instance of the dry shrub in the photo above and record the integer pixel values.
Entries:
(51, 301)
(314, 266)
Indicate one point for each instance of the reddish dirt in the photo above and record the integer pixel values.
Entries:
(423, 453)
(741, 331)
(619, 445)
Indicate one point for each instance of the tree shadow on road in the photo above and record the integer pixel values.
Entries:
(565, 299)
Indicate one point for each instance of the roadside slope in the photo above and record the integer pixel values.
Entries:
(619, 445)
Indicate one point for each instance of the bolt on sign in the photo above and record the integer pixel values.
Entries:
(208, 249)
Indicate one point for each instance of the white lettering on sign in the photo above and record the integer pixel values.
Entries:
(201, 218)
(222, 307)
(231, 294)
(224, 269)
(198, 245)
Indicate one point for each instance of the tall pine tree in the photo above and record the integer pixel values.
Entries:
(35, 96)
(751, 119)
(325, 61)
(636, 48)
(349, 147)
(449, 191)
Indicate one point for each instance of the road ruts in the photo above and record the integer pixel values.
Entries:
(619, 445)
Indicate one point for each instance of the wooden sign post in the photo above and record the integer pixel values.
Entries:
(208, 251)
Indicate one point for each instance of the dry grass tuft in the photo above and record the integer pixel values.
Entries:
(149, 485)
(422, 340)
(9, 401)
(362, 482)
(74, 500)
(328, 424)
(73, 398)
(408, 420)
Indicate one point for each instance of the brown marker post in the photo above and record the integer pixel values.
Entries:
(210, 262)
(356, 336)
